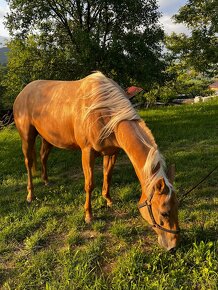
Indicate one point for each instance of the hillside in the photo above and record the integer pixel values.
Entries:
(3, 55)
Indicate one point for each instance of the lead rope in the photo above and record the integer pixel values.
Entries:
(202, 180)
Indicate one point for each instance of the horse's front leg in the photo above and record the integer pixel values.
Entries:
(88, 160)
(108, 165)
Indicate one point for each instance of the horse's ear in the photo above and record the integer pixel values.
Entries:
(160, 185)
(171, 173)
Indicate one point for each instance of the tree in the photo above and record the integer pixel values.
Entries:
(3, 102)
(67, 39)
(199, 50)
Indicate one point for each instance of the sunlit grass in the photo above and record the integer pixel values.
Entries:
(47, 245)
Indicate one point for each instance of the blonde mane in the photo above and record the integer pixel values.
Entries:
(108, 97)
(154, 159)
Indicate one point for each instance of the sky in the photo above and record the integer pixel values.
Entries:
(167, 7)
(3, 10)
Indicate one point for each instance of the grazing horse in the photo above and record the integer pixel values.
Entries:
(93, 114)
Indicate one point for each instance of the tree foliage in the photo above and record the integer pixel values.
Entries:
(67, 39)
(199, 49)
(2, 88)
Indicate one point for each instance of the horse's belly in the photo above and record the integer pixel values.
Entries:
(59, 135)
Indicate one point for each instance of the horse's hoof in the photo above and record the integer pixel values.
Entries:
(109, 204)
(88, 219)
(29, 199)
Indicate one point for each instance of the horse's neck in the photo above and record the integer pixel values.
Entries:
(133, 139)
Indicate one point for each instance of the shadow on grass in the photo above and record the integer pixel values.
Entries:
(197, 235)
(66, 186)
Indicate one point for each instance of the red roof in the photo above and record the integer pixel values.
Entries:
(214, 85)
(132, 91)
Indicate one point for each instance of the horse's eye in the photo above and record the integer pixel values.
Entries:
(165, 214)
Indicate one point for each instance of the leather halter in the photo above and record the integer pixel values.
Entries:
(154, 223)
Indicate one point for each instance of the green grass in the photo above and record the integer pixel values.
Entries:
(47, 245)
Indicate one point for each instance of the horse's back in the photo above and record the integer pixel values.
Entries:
(47, 106)
(41, 92)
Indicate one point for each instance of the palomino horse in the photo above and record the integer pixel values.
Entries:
(93, 114)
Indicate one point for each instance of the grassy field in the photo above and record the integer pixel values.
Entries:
(47, 245)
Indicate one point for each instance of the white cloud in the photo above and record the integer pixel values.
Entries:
(170, 26)
(168, 8)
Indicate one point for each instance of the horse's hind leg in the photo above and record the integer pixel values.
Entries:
(44, 152)
(34, 167)
(108, 165)
(28, 144)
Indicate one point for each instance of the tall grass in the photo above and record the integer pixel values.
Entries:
(47, 245)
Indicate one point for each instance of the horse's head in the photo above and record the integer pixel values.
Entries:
(160, 209)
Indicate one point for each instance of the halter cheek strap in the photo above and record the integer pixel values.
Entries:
(154, 223)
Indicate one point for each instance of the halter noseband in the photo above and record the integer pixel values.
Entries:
(154, 223)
